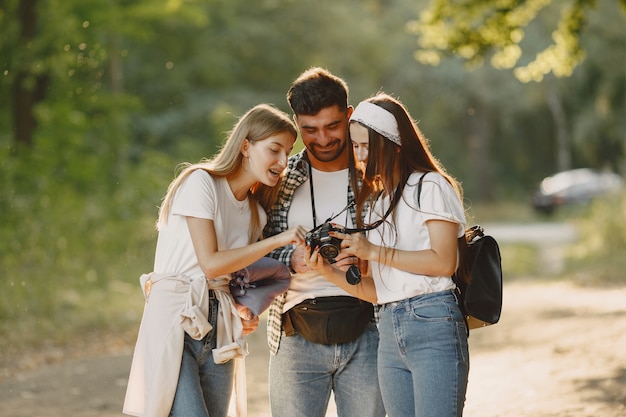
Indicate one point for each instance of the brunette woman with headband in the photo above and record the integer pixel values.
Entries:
(423, 359)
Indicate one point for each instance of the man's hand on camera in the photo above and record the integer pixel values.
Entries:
(299, 259)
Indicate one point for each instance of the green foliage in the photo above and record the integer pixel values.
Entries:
(519, 261)
(67, 247)
(477, 30)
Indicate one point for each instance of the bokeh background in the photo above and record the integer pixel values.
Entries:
(100, 100)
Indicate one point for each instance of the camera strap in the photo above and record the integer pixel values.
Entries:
(313, 202)
(365, 228)
(344, 229)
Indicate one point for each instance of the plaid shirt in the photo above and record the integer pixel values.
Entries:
(297, 173)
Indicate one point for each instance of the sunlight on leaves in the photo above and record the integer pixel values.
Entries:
(507, 57)
(476, 30)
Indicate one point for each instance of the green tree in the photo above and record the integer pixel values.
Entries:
(512, 35)
(486, 29)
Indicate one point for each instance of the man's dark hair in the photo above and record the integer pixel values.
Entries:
(316, 89)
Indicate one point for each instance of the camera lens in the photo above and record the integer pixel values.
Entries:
(329, 251)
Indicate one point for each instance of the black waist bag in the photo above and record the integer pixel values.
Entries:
(329, 320)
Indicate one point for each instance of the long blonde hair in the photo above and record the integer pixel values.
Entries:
(257, 124)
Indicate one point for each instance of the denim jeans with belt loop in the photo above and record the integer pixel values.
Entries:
(423, 357)
(204, 387)
(303, 374)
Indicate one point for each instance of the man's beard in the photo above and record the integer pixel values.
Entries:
(328, 157)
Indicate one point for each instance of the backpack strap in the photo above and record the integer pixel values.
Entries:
(419, 188)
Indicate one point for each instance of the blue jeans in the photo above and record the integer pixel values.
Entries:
(302, 375)
(204, 387)
(423, 358)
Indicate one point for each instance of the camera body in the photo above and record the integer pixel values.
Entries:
(319, 237)
(329, 247)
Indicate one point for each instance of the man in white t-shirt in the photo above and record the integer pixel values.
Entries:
(321, 339)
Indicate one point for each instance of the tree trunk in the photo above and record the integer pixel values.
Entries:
(563, 154)
(478, 143)
(27, 89)
(115, 66)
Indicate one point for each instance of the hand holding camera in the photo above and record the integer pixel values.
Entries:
(327, 240)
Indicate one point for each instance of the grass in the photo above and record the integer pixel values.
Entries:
(519, 261)
(502, 212)
(598, 257)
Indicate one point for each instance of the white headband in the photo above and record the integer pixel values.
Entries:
(377, 119)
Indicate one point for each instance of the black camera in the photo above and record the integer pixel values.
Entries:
(319, 237)
(329, 247)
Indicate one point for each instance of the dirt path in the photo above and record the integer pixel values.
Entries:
(558, 351)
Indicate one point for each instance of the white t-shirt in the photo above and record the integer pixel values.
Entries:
(438, 201)
(331, 196)
(204, 197)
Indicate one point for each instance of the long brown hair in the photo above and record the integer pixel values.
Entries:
(388, 162)
(256, 124)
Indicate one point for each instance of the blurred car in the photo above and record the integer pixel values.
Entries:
(574, 187)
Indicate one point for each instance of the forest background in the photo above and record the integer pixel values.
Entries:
(102, 99)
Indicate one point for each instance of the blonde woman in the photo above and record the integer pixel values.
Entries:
(209, 226)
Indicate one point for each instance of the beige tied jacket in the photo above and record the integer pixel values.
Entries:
(176, 304)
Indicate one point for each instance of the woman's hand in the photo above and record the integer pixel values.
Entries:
(344, 261)
(293, 236)
(364, 290)
(316, 262)
(250, 326)
(248, 319)
(355, 245)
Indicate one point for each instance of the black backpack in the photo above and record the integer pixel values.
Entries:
(480, 300)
